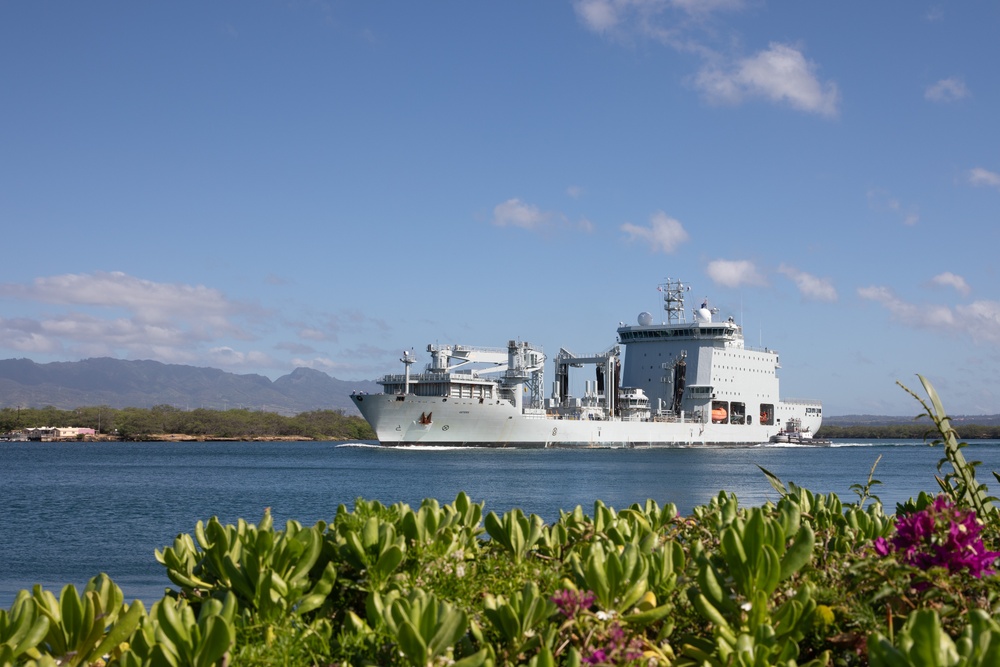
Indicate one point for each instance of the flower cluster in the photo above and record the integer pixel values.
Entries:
(600, 638)
(942, 535)
(614, 648)
(572, 602)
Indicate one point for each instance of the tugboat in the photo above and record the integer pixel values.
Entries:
(796, 434)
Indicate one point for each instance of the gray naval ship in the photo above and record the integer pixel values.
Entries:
(682, 383)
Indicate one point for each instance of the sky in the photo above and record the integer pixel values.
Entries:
(260, 185)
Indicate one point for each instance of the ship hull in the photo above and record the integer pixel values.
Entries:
(438, 422)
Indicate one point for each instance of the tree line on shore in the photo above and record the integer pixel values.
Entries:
(917, 430)
(141, 423)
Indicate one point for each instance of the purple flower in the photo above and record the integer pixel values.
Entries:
(941, 535)
(571, 602)
(616, 649)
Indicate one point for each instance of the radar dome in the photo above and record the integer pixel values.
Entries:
(645, 319)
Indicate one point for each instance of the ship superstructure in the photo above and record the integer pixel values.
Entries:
(680, 383)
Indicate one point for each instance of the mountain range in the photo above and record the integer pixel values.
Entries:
(142, 384)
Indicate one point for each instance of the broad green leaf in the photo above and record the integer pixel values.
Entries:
(411, 643)
(799, 553)
(452, 626)
(388, 562)
(217, 640)
(644, 618)
(122, 629)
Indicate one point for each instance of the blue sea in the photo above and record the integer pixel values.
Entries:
(71, 511)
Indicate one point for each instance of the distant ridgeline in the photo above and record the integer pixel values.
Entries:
(143, 384)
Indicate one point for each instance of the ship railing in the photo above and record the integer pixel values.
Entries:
(801, 401)
(471, 348)
(666, 418)
(435, 377)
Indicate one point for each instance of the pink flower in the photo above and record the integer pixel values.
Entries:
(882, 546)
(940, 535)
(571, 602)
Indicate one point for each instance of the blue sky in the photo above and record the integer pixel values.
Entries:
(257, 186)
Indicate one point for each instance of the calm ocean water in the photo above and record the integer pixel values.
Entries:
(72, 511)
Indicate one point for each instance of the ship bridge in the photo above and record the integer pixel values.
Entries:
(683, 364)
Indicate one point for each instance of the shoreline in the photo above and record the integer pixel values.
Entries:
(177, 437)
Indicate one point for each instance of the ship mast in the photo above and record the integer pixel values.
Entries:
(673, 300)
(408, 360)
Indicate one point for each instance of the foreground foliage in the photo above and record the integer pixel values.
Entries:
(807, 580)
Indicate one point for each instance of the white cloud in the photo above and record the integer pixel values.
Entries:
(603, 16)
(980, 176)
(83, 334)
(574, 191)
(949, 279)
(516, 213)
(733, 273)
(333, 367)
(598, 15)
(780, 74)
(664, 233)
(228, 357)
(26, 335)
(947, 90)
(117, 315)
(979, 320)
(149, 302)
(810, 286)
(927, 316)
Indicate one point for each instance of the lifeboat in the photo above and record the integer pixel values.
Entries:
(719, 415)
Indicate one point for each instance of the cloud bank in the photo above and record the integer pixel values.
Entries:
(979, 320)
(112, 314)
(780, 73)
